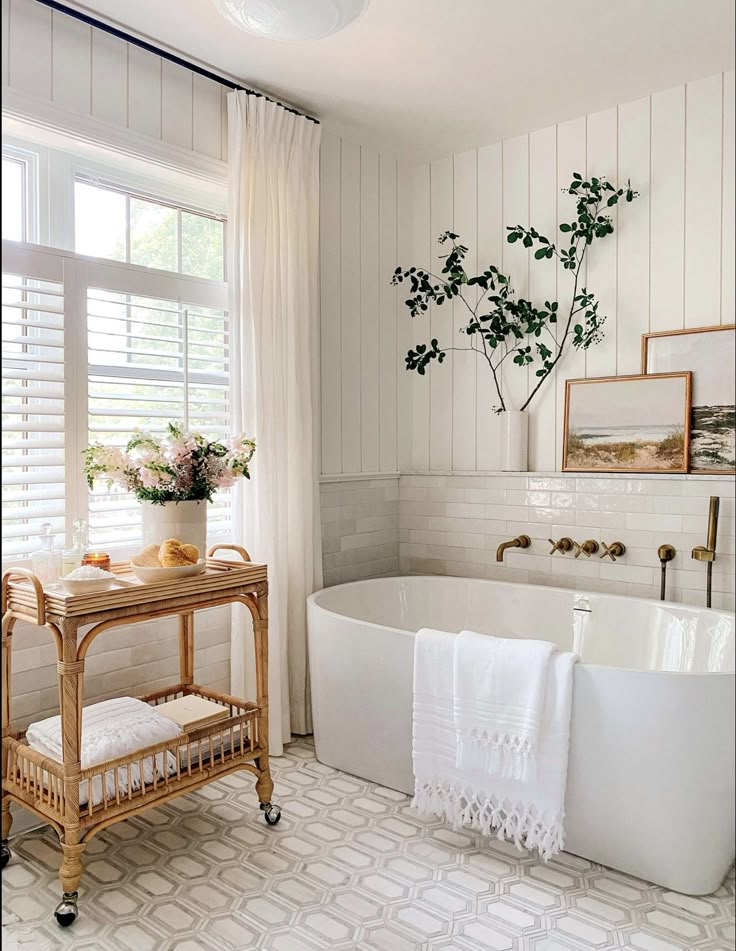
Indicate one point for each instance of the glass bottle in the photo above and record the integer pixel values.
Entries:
(71, 558)
(47, 561)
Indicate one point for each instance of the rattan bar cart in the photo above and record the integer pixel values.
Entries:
(78, 802)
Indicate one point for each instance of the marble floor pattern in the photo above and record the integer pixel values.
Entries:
(350, 866)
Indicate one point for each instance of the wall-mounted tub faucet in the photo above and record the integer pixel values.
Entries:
(665, 553)
(707, 552)
(523, 541)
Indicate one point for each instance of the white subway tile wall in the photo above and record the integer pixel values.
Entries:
(134, 659)
(452, 525)
(360, 529)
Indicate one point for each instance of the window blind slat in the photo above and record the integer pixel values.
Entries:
(33, 473)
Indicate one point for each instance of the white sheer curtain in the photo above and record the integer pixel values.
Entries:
(273, 276)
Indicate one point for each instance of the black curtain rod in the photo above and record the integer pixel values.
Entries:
(164, 54)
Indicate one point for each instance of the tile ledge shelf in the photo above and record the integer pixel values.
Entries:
(359, 476)
(547, 474)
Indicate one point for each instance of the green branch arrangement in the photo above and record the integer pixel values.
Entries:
(502, 326)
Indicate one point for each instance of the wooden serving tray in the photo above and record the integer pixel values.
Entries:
(219, 577)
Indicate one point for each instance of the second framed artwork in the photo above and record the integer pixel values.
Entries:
(628, 423)
(710, 352)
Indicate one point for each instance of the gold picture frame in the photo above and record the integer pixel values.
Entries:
(610, 432)
(708, 419)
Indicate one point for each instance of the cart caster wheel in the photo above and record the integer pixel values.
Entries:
(5, 855)
(272, 814)
(66, 911)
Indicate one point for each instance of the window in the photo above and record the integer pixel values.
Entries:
(131, 336)
(112, 223)
(14, 199)
(151, 360)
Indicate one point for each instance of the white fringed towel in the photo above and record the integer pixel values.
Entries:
(499, 687)
(530, 814)
(111, 729)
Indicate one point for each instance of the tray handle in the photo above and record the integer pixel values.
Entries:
(37, 586)
(238, 548)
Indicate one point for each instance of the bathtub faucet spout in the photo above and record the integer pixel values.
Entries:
(523, 541)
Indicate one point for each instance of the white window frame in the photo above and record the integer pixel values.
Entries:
(55, 171)
(32, 162)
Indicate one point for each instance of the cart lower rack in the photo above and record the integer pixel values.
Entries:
(78, 802)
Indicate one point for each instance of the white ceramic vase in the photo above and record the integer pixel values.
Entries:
(186, 521)
(514, 441)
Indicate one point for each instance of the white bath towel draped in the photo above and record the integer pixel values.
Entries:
(499, 686)
(273, 281)
(530, 814)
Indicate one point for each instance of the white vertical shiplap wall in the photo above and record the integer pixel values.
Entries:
(60, 62)
(363, 218)
(669, 264)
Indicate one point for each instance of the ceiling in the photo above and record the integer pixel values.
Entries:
(430, 77)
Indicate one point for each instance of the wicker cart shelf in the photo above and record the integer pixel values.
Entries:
(78, 802)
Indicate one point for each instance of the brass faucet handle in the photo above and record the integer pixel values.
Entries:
(588, 548)
(614, 550)
(562, 546)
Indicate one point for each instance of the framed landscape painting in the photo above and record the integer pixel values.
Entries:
(710, 352)
(627, 423)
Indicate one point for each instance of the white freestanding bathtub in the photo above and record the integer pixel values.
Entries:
(651, 769)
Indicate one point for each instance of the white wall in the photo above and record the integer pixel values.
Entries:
(670, 263)
(364, 223)
(81, 79)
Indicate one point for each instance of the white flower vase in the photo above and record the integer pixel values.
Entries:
(514, 441)
(186, 521)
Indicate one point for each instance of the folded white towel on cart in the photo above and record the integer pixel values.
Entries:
(530, 814)
(111, 729)
(499, 689)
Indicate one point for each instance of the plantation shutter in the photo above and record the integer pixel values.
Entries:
(33, 391)
(152, 360)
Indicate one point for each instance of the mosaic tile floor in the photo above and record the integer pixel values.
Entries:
(350, 866)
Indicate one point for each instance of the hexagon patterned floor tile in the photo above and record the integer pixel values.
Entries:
(350, 866)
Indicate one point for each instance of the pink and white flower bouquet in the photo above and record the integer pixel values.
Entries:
(180, 467)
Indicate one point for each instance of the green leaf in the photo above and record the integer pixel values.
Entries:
(512, 237)
(541, 253)
(565, 227)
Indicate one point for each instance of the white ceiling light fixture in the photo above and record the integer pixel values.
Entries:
(291, 20)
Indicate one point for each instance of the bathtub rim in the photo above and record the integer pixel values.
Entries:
(312, 602)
